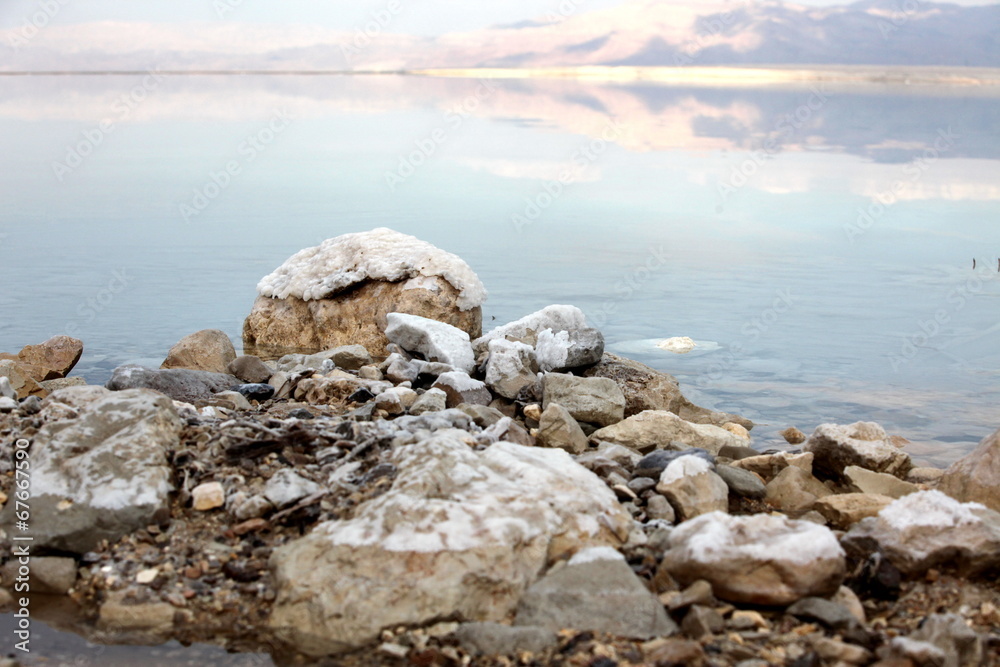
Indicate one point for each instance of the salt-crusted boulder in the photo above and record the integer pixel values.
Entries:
(648, 389)
(206, 350)
(435, 341)
(976, 476)
(180, 384)
(862, 444)
(657, 429)
(693, 488)
(512, 365)
(101, 475)
(926, 529)
(461, 388)
(553, 318)
(340, 292)
(460, 534)
(760, 559)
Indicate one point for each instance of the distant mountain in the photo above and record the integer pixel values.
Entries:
(641, 32)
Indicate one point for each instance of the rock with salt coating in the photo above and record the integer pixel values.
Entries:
(435, 341)
(863, 444)
(657, 429)
(976, 476)
(102, 475)
(460, 388)
(340, 292)
(759, 559)
(692, 487)
(460, 534)
(927, 529)
(208, 496)
(596, 591)
(511, 367)
(555, 318)
(564, 350)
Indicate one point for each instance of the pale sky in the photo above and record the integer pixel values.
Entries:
(420, 17)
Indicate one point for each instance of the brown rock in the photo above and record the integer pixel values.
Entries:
(59, 353)
(793, 436)
(649, 389)
(249, 369)
(795, 490)
(20, 381)
(673, 652)
(976, 476)
(769, 465)
(845, 510)
(557, 428)
(276, 327)
(207, 350)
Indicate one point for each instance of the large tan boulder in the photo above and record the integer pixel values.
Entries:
(976, 477)
(59, 354)
(340, 292)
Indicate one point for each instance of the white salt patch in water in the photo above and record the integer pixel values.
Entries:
(685, 466)
(678, 344)
(381, 254)
(928, 508)
(594, 554)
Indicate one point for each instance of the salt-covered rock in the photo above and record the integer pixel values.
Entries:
(208, 496)
(863, 444)
(460, 388)
(760, 559)
(250, 369)
(207, 350)
(656, 429)
(844, 510)
(976, 476)
(555, 318)
(511, 367)
(339, 293)
(180, 384)
(880, 483)
(495, 639)
(595, 591)
(692, 487)
(565, 350)
(460, 534)
(648, 389)
(435, 341)
(59, 354)
(795, 490)
(7, 404)
(592, 400)
(6, 390)
(103, 474)
(287, 486)
(653, 464)
(928, 528)
(557, 428)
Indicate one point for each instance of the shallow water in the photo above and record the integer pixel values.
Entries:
(806, 311)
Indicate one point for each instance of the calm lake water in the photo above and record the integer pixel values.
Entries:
(817, 242)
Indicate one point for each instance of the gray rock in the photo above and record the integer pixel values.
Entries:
(594, 591)
(702, 622)
(640, 485)
(400, 369)
(880, 483)
(699, 592)
(658, 429)
(557, 428)
(510, 368)
(742, 483)
(483, 416)
(461, 388)
(177, 383)
(976, 476)
(832, 615)
(692, 488)
(31, 405)
(49, 574)
(659, 508)
(494, 639)
(927, 529)
(653, 464)
(348, 357)
(103, 474)
(565, 350)
(957, 644)
(431, 400)
(249, 369)
(7, 391)
(287, 487)
(737, 453)
(594, 400)
(435, 341)
(207, 350)
(235, 398)
(863, 444)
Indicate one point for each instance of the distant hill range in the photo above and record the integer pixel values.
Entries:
(638, 33)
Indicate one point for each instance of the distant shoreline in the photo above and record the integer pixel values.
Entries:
(709, 76)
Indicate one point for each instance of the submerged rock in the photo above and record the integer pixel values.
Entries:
(340, 293)
(459, 535)
(207, 350)
(103, 474)
(180, 384)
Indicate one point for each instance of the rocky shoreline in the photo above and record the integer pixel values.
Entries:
(424, 494)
